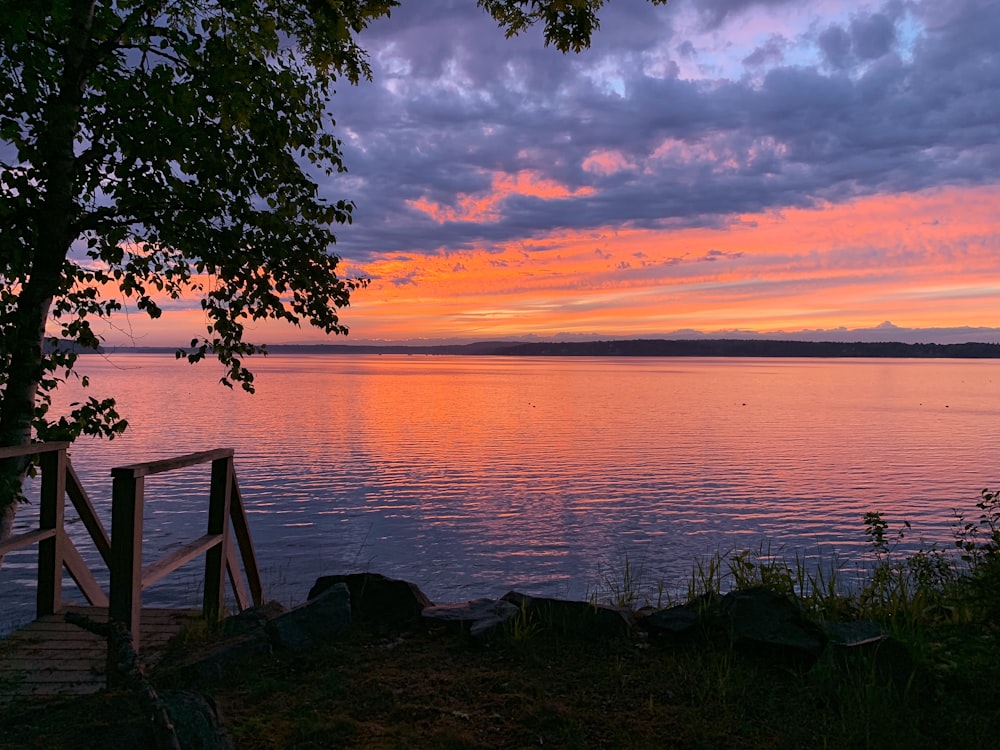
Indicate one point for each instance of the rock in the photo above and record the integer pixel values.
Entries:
(197, 721)
(760, 616)
(480, 617)
(865, 646)
(323, 616)
(244, 637)
(578, 618)
(892, 661)
(677, 623)
(212, 662)
(251, 620)
(851, 634)
(378, 599)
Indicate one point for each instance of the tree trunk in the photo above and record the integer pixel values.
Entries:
(18, 406)
(54, 227)
(7, 523)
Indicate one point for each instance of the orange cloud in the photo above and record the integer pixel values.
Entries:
(931, 259)
(923, 260)
(485, 206)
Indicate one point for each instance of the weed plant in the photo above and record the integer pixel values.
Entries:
(941, 605)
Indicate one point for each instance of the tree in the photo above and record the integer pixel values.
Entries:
(153, 148)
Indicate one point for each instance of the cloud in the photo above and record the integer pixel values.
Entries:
(799, 165)
(714, 13)
(629, 141)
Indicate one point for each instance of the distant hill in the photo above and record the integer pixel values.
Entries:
(646, 348)
(751, 348)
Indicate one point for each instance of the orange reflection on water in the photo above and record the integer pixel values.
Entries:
(497, 471)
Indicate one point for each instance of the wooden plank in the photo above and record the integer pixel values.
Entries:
(218, 523)
(125, 601)
(26, 539)
(53, 657)
(51, 511)
(85, 509)
(235, 578)
(46, 631)
(54, 675)
(32, 449)
(241, 529)
(169, 563)
(82, 576)
(64, 666)
(168, 464)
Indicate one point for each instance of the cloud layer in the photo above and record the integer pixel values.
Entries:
(710, 164)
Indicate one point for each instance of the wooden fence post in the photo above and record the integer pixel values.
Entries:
(125, 600)
(218, 520)
(51, 510)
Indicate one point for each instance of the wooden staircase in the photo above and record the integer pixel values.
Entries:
(51, 656)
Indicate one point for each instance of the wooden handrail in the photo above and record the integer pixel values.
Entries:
(225, 512)
(32, 449)
(227, 532)
(25, 540)
(87, 514)
(153, 573)
(56, 550)
(169, 464)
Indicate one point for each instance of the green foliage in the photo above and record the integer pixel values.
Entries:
(906, 591)
(626, 584)
(979, 540)
(150, 152)
(523, 627)
(761, 568)
(198, 132)
(566, 24)
(153, 152)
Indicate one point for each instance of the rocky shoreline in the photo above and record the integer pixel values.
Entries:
(757, 619)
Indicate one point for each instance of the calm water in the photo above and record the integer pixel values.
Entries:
(471, 476)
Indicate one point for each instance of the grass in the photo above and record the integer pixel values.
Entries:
(535, 686)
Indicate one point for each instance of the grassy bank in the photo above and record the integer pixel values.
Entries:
(533, 686)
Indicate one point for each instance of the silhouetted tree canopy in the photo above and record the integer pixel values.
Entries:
(154, 149)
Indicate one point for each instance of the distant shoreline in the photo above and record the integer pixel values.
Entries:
(641, 348)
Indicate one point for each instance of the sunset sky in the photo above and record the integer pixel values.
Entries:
(796, 166)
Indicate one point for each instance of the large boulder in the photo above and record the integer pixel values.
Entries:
(480, 618)
(251, 620)
(324, 616)
(762, 617)
(377, 599)
(573, 617)
(197, 721)
(864, 647)
(759, 618)
(682, 622)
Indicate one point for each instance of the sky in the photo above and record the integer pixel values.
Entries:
(804, 168)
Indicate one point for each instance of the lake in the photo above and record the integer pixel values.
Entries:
(471, 476)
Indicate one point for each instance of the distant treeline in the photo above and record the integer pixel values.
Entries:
(650, 348)
(751, 348)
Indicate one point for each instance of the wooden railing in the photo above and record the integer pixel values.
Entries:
(122, 551)
(55, 548)
(225, 507)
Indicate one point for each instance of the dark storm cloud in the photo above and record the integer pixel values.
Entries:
(852, 106)
(868, 37)
(771, 52)
(714, 13)
(872, 36)
(835, 43)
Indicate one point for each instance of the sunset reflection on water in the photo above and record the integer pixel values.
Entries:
(471, 476)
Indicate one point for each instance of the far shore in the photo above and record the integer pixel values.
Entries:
(637, 348)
